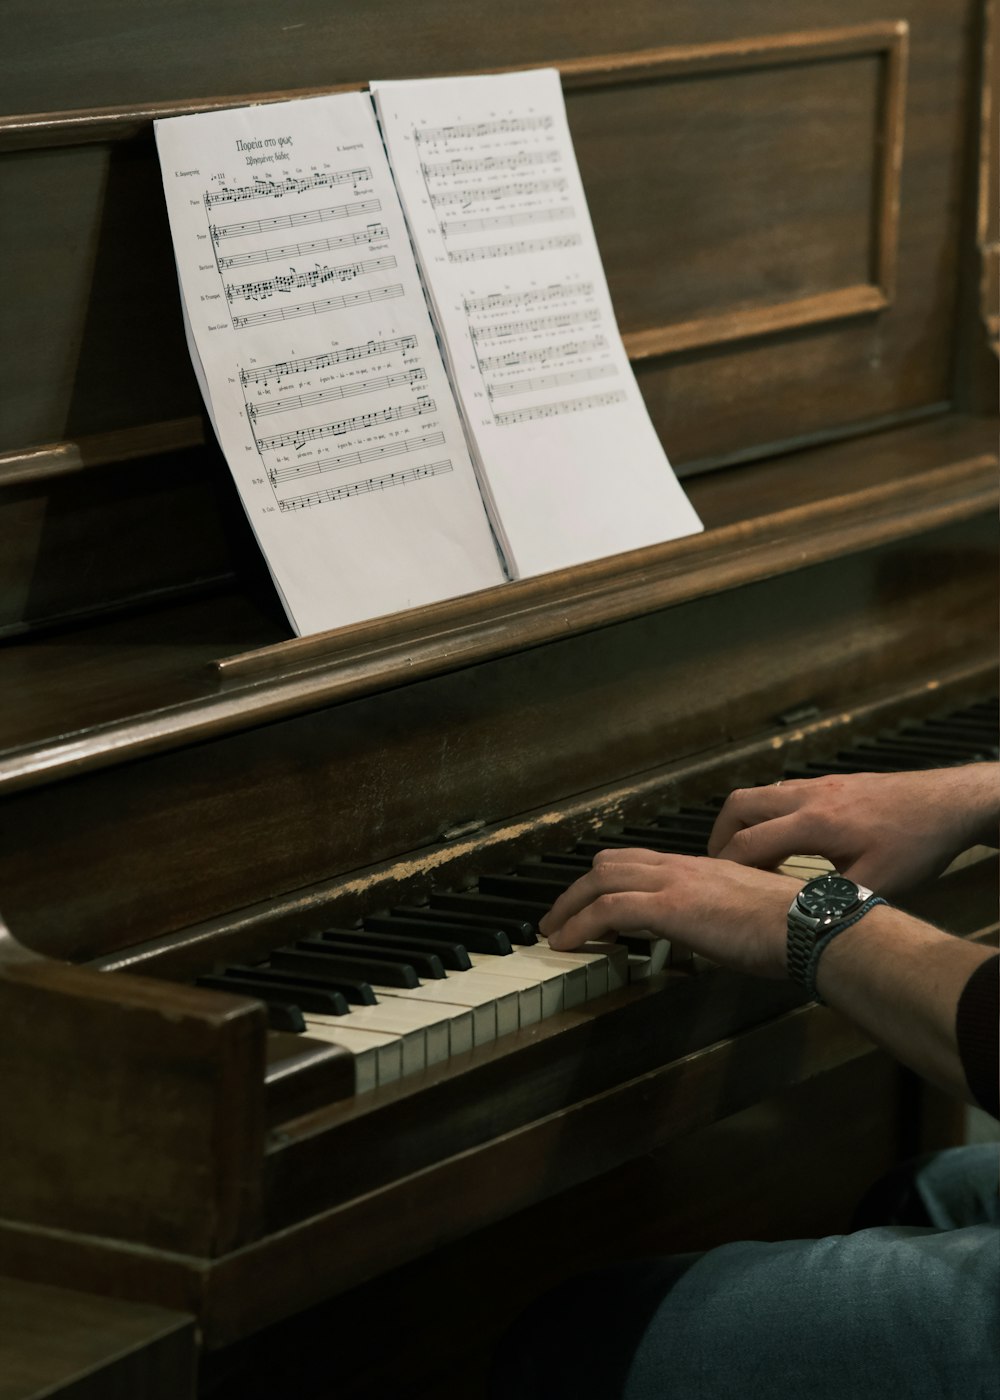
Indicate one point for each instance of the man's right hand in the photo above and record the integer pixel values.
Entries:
(885, 830)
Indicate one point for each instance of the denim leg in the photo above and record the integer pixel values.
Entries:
(894, 1311)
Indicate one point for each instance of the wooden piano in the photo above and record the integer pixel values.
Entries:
(797, 211)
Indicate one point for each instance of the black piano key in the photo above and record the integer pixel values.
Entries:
(882, 759)
(619, 841)
(352, 989)
(317, 1000)
(282, 1015)
(557, 873)
(673, 824)
(426, 965)
(691, 845)
(517, 930)
(451, 953)
(476, 940)
(944, 749)
(570, 860)
(468, 902)
(977, 737)
(523, 887)
(323, 958)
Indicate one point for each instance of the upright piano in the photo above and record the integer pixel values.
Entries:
(796, 206)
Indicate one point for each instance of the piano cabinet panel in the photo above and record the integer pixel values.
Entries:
(166, 842)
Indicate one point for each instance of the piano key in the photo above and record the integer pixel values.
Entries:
(324, 958)
(353, 945)
(469, 902)
(596, 965)
(449, 953)
(378, 1058)
(559, 987)
(952, 748)
(647, 954)
(473, 939)
(440, 1028)
(675, 842)
(559, 873)
(494, 1012)
(283, 1013)
(517, 930)
(265, 989)
(569, 860)
(522, 887)
(352, 989)
(957, 732)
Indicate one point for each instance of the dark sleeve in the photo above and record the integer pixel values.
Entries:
(976, 1023)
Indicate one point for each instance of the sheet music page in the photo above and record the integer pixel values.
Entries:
(570, 463)
(311, 340)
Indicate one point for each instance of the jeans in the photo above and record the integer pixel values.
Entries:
(903, 1310)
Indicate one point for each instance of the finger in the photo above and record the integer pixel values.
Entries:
(617, 912)
(607, 877)
(767, 844)
(748, 806)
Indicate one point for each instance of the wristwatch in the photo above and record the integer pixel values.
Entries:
(822, 908)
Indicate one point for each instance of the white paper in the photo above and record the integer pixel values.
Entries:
(312, 342)
(571, 466)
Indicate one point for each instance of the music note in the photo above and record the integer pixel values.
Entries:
(366, 487)
(308, 363)
(554, 410)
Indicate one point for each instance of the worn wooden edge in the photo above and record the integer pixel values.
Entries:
(128, 122)
(259, 927)
(307, 673)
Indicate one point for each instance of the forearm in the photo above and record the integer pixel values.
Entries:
(900, 981)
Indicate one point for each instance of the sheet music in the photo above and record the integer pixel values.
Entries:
(570, 464)
(310, 336)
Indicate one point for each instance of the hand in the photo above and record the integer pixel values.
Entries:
(726, 912)
(885, 830)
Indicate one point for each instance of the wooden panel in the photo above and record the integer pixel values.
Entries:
(784, 216)
(790, 223)
(130, 1107)
(75, 1346)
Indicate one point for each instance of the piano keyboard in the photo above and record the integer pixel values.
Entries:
(417, 985)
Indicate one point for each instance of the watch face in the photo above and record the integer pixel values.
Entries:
(828, 897)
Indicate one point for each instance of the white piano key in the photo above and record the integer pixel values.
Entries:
(378, 1058)
(551, 981)
(603, 969)
(494, 1012)
(412, 1034)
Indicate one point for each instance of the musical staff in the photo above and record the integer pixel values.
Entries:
(305, 216)
(298, 437)
(292, 184)
(306, 281)
(317, 308)
(535, 323)
(503, 126)
(503, 301)
(286, 368)
(519, 189)
(369, 486)
(510, 250)
(544, 355)
(485, 163)
(527, 216)
(550, 381)
(355, 459)
(374, 233)
(554, 410)
(336, 391)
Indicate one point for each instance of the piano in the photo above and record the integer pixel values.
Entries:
(226, 1172)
